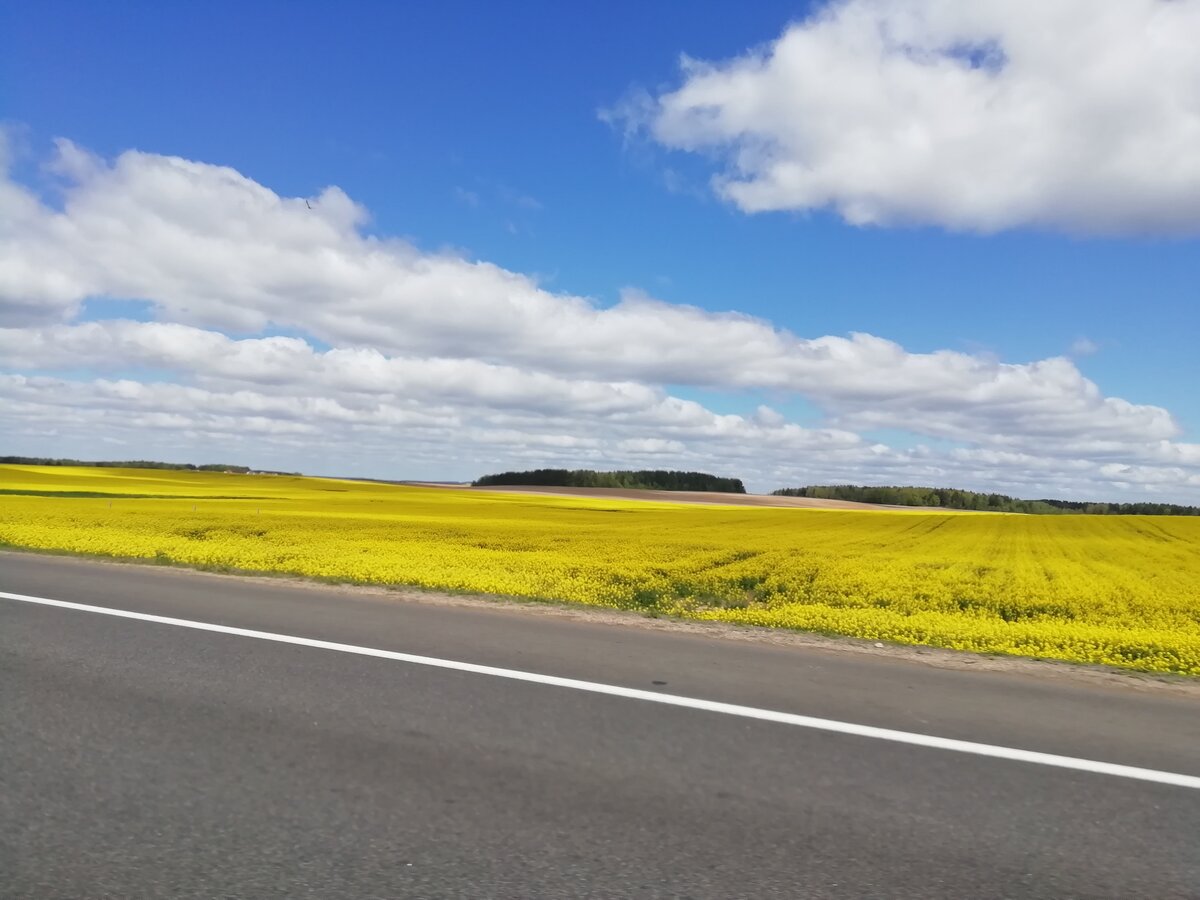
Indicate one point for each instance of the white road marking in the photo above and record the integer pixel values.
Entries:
(730, 709)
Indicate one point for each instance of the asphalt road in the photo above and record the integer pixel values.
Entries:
(140, 759)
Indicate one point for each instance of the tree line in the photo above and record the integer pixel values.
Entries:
(134, 464)
(953, 498)
(671, 480)
(645, 479)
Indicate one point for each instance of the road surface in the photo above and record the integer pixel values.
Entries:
(146, 759)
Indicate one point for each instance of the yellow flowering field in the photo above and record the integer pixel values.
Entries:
(1122, 590)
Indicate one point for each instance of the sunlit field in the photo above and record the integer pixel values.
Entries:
(1118, 590)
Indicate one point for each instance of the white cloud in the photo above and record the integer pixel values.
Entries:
(767, 416)
(452, 362)
(209, 247)
(651, 446)
(467, 429)
(865, 382)
(1080, 115)
(339, 435)
(240, 386)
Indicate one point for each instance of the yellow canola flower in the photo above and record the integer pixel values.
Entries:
(1120, 590)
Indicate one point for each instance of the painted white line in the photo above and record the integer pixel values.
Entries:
(729, 709)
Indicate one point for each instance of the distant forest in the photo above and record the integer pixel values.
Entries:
(951, 498)
(132, 464)
(662, 480)
(652, 480)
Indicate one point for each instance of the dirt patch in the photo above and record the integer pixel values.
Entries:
(713, 497)
(930, 656)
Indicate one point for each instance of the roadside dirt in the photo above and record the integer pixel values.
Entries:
(929, 656)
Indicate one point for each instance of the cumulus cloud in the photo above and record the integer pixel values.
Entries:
(210, 247)
(395, 346)
(290, 430)
(1078, 115)
(664, 429)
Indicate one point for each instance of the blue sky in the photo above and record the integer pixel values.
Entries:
(478, 129)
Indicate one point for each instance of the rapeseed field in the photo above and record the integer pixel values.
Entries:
(1118, 590)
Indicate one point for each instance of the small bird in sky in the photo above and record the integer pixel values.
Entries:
(306, 203)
